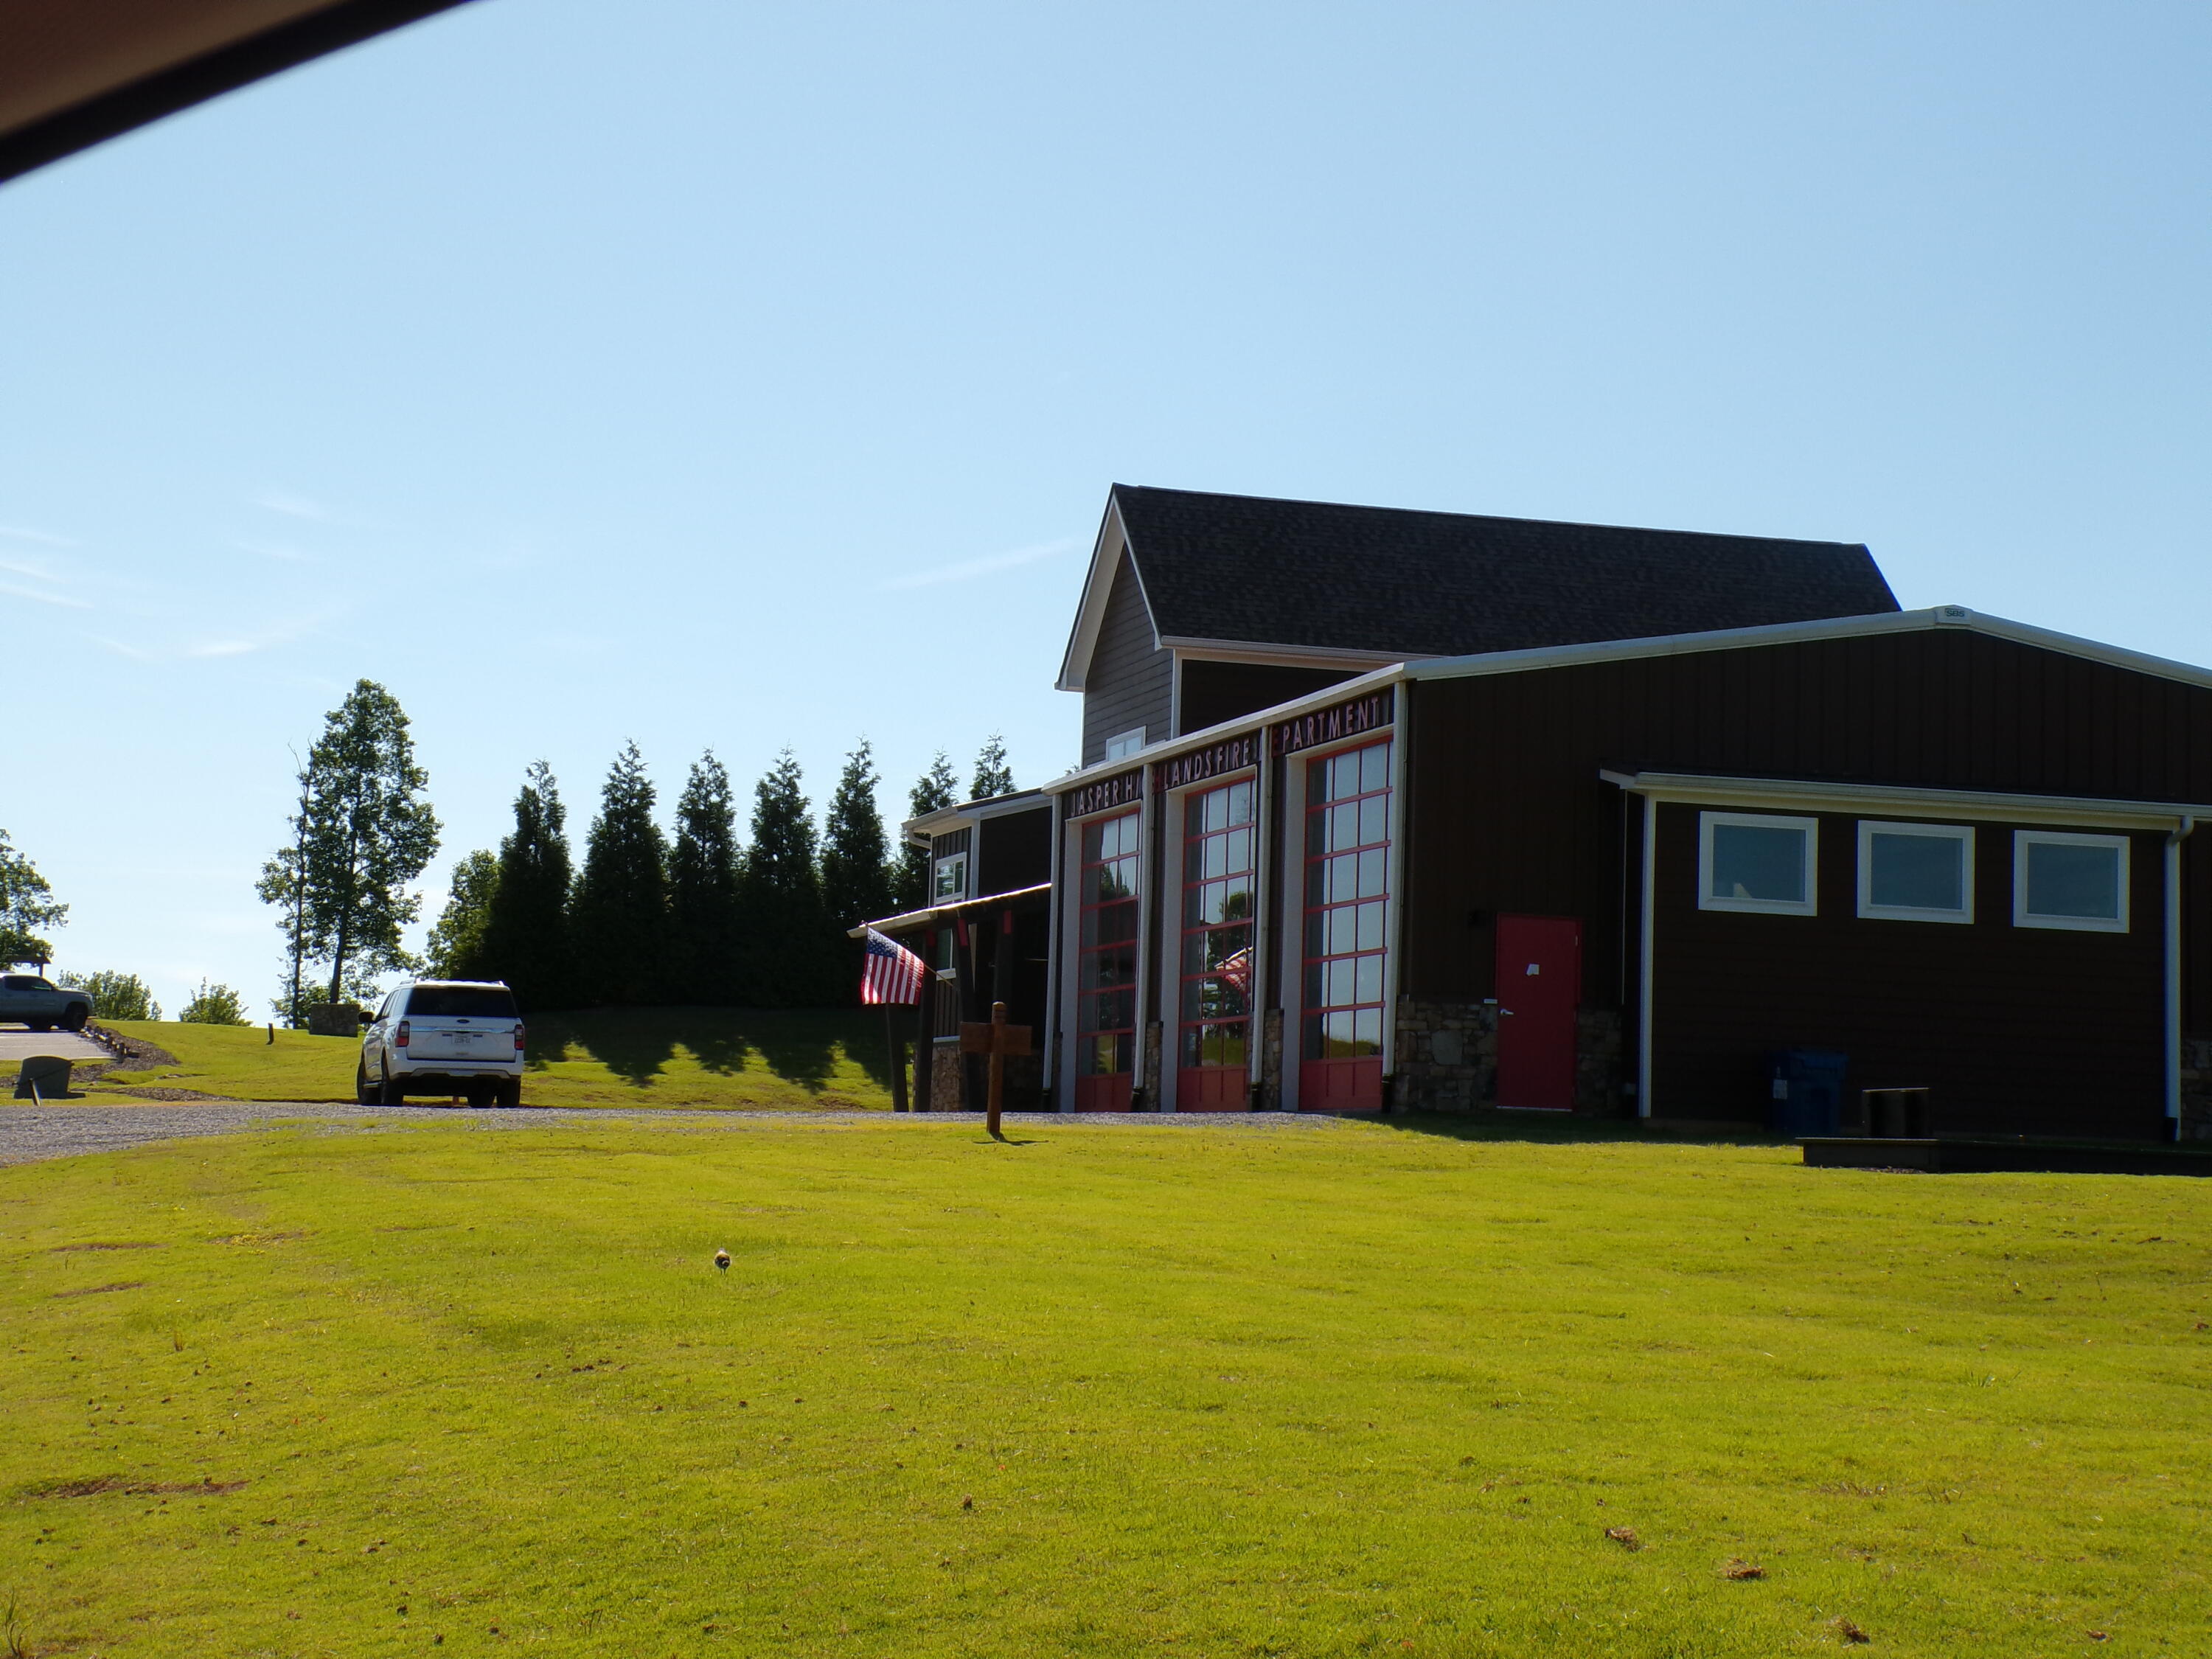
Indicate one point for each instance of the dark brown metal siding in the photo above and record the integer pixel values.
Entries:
(2019, 1030)
(1128, 683)
(1217, 692)
(1015, 850)
(1507, 812)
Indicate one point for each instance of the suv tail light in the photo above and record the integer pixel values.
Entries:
(517, 1039)
(399, 1036)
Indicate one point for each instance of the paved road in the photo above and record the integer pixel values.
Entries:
(16, 1044)
(28, 1134)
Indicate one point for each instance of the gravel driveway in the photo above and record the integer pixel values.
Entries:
(28, 1134)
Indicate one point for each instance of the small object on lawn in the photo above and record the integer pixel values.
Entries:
(968, 1503)
(998, 1040)
(272, 1036)
(1848, 1630)
(43, 1077)
(1625, 1537)
(1740, 1569)
(2099, 1636)
(722, 1260)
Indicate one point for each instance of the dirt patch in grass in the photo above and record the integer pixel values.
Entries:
(100, 1485)
(102, 1290)
(143, 1244)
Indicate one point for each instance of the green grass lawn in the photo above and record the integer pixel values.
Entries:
(724, 1057)
(1306, 1389)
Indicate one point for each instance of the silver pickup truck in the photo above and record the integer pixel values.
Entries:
(41, 1005)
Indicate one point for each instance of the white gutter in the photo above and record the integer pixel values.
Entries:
(1709, 789)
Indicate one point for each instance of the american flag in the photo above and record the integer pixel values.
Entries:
(1238, 971)
(894, 973)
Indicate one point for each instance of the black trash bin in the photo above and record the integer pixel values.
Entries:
(1806, 1093)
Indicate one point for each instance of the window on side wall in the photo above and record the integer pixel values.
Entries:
(2070, 881)
(1128, 743)
(951, 882)
(1757, 862)
(1916, 872)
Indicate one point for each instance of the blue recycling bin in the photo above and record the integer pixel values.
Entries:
(1805, 1088)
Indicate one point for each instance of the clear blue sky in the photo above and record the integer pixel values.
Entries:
(751, 375)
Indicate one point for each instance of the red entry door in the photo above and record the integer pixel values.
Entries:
(1540, 976)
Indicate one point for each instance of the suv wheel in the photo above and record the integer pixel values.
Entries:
(510, 1092)
(362, 1094)
(389, 1091)
(74, 1020)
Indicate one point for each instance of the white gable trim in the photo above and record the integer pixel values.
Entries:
(1107, 555)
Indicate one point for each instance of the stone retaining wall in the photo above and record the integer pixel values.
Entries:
(1447, 1058)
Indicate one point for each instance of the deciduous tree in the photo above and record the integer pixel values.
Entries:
(216, 1005)
(705, 931)
(528, 941)
(368, 834)
(284, 882)
(26, 908)
(116, 995)
(620, 913)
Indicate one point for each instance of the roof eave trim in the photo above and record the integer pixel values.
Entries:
(1718, 789)
(967, 812)
(1321, 656)
(1826, 628)
(923, 918)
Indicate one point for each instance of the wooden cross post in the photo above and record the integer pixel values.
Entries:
(998, 1040)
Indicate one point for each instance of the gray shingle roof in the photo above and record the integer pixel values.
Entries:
(1447, 584)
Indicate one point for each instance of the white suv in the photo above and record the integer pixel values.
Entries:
(443, 1036)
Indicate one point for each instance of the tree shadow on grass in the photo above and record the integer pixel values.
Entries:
(803, 1045)
(633, 1044)
(800, 1045)
(1563, 1129)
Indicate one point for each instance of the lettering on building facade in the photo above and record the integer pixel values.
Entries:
(1345, 720)
(1229, 754)
(1123, 789)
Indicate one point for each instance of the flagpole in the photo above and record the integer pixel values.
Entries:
(898, 1055)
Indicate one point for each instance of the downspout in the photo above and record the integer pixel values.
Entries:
(1645, 958)
(2180, 833)
(1054, 936)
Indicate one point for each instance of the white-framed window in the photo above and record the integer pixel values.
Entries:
(1916, 872)
(1127, 742)
(2060, 879)
(1757, 861)
(949, 881)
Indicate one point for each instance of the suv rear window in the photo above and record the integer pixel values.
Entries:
(462, 1002)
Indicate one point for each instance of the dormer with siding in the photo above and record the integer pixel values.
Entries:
(1199, 608)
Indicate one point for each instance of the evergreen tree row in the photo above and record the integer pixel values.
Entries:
(702, 917)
